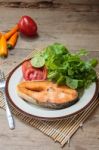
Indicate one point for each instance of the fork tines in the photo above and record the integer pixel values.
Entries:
(2, 76)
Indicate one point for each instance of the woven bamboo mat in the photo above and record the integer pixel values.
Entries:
(61, 130)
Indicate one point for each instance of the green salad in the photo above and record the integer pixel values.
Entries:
(66, 68)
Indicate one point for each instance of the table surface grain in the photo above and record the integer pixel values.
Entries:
(76, 26)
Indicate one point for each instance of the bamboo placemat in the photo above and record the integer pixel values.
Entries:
(59, 130)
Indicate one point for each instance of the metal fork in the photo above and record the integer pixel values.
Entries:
(8, 112)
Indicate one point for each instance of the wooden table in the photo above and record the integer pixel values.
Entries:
(76, 26)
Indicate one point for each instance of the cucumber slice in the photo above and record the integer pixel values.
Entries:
(37, 62)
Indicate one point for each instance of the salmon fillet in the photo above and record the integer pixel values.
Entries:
(47, 94)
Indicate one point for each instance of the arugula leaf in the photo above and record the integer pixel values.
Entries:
(55, 49)
(93, 62)
(82, 52)
(72, 83)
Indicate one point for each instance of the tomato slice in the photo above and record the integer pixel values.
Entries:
(35, 74)
(30, 73)
(26, 65)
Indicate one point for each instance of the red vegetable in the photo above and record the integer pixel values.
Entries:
(27, 26)
(31, 73)
(26, 65)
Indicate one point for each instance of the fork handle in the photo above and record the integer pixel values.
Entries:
(8, 114)
(9, 118)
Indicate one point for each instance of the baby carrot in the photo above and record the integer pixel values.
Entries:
(12, 41)
(3, 47)
(11, 32)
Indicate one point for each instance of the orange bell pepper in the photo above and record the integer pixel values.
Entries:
(3, 47)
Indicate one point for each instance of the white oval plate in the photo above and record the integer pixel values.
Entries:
(44, 113)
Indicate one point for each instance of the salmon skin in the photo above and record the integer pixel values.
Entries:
(47, 94)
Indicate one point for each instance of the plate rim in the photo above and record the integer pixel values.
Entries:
(45, 118)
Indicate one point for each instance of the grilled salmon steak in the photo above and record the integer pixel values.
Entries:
(47, 94)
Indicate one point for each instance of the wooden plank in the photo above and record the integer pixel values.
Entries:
(63, 2)
(86, 4)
